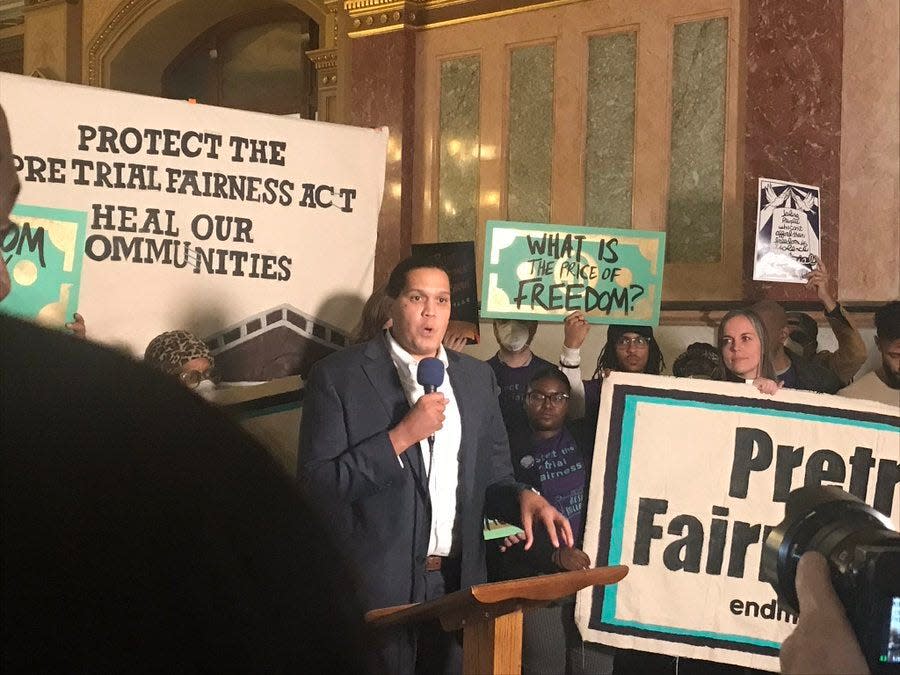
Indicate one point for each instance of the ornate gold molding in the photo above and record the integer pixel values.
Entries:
(356, 6)
(371, 17)
(323, 58)
(33, 4)
(332, 7)
(125, 14)
(325, 63)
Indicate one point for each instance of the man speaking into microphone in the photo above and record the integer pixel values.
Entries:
(406, 476)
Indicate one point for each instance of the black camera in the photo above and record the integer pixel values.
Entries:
(863, 553)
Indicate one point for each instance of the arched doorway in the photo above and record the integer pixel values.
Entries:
(253, 61)
(147, 41)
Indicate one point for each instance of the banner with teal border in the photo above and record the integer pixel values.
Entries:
(688, 479)
(544, 272)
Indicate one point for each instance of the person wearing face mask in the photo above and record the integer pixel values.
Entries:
(182, 354)
(514, 365)
(141, 526)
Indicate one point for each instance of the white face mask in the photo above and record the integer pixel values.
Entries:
(512, 335)
(206, 389)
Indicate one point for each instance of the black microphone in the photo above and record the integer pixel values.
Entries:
(431, 376)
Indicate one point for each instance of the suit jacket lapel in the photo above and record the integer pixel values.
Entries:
(382, 375)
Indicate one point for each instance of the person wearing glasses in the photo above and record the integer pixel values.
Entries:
(553, 455)
(514, 364)
(182, 354)
(629, 349)
(128, 546)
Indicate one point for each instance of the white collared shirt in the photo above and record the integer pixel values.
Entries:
(444, 475)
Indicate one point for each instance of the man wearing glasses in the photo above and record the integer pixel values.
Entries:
(628, 349)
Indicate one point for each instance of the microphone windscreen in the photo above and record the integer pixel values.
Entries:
(430, 373)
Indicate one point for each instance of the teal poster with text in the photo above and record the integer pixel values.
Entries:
(544, 272)
(43, 254)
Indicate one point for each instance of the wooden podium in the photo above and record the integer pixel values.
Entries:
(491, 614)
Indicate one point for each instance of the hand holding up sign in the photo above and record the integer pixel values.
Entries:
(818, 279)
(77, 326)
(455, 338)
(767, 386)
(576, 329)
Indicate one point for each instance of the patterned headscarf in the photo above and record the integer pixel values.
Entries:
(170, 351)
(700, 360)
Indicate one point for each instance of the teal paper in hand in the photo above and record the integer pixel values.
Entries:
(44, 255)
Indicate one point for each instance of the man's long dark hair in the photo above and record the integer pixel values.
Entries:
(609, 359)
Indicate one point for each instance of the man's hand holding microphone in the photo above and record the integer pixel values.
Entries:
(427, 415)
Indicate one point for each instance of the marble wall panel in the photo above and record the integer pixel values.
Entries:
(609, 151)
(383, 94)
(697, 155)
(459, 149)
(530, 133)
(793, 117)
(870, 152)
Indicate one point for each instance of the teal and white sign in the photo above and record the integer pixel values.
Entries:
(689, 477)
(44, 256)
(544, 272)
(198, 217)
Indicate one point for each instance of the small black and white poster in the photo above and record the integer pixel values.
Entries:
(788, 235)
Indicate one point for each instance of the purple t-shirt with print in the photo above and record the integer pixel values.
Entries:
(559, 468)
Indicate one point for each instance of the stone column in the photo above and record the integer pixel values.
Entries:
(53, 39)
(793, 118)
(325, 62)
(382, 93)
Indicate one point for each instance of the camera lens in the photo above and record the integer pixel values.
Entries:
(828, 520)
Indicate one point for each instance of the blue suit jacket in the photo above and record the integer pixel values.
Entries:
(380, 510)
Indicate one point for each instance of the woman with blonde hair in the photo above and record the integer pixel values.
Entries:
(744, 344)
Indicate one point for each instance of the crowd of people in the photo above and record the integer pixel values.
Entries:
(142, 528)
(554, 414)
(549, 415)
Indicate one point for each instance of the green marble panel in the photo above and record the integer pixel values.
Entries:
(459, 149)
(530, 139)
(609, 146)
(697, 159)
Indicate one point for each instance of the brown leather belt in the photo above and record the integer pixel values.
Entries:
(433, 563)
